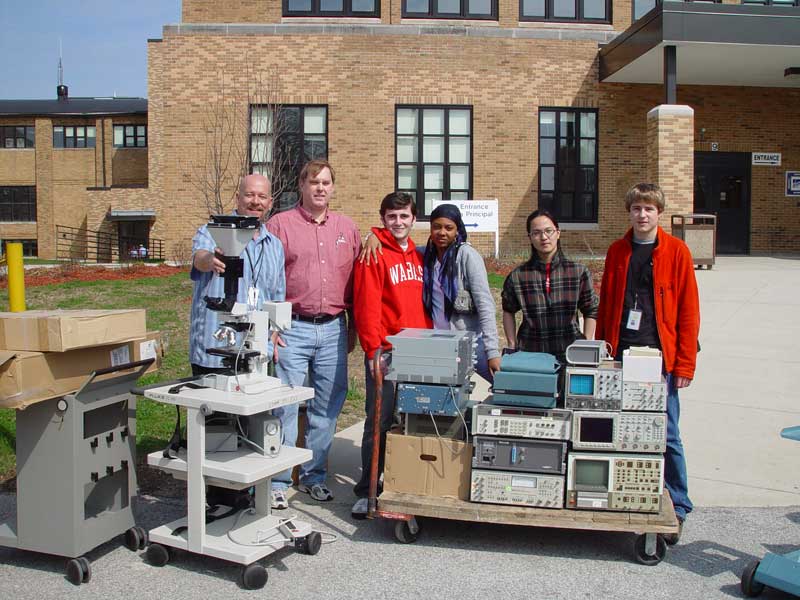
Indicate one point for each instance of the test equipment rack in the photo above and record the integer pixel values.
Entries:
(649, 546)
(76, 475)
(246, 537)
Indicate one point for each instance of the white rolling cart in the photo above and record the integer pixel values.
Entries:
(246, 536)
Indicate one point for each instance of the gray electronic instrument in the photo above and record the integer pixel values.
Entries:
(432, 356)
(548, 424)
(594, 388)
(514, 454)
(264, 430)
(519, 489)
(644, 396)
(618, 431)
(619, 482)
(587, 352)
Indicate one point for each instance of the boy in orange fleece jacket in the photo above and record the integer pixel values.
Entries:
(387, 297)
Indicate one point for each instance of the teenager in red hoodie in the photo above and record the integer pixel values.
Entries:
(387, 296)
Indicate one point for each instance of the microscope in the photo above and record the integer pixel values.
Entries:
(247, 360)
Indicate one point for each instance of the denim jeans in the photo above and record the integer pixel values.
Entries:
(361, 489)
(675, 475)
(319, 351)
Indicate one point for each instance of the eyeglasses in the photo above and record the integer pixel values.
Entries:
(548, 233)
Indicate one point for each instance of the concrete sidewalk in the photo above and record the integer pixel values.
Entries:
(746, 389)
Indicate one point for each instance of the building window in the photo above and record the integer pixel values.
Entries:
(568, 163)
(450, 9)
(331, 8)
(433, 150)
(593, 11)
(282, 139)
(130, 136)
(30, 248)
(73, 137)
(17, 136)
(18, 203)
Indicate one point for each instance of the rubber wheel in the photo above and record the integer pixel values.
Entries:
(87, 569)
(157, 555)
(313, 542)
(133, 539)
(750, 587)
(75, 571)
(254, 576)
(402, 533)
(645, 559)
(143, 537)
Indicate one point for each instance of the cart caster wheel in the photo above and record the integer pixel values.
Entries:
(645, 559)
(309, 544)
(157, 555)
(135, 539)
(254, 576)
(750, 587)
(402, 533)
(79, 571)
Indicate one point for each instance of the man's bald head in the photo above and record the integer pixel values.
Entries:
(255, 196)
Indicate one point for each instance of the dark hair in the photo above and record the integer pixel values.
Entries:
(645, 192)
(543, 212)
(398, 200)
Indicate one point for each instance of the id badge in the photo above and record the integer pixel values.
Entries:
(252, 297)
(634, 319)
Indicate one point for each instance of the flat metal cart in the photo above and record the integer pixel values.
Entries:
(239, 536)
(779, 571)
(76, 476)
(649, 546)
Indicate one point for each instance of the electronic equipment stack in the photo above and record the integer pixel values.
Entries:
(619, 429)
(520, 438)
(432, 370)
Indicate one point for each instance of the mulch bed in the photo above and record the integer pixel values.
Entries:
(69, 272)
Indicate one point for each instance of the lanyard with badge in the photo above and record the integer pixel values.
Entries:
(253, 293)
(635, 314)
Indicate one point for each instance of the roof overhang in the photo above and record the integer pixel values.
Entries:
(132, 215)
(716, 44)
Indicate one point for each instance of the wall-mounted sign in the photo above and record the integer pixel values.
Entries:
(478, 216)
(767, 158)
(714, 146)
(793, 184)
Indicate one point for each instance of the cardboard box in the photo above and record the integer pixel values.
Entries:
(30, 377)
(427, 466)
(63, 330)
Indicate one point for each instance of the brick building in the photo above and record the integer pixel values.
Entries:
(61, 158)
(557, 103)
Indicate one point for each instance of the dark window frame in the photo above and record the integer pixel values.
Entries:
(78, 142)
(347, 10)
(12, 133)
(579, 18)
(18, 204)
(554, 205)
(289, 192)
(125, 137)
(30, 247)
(419, 191)
(463, 14)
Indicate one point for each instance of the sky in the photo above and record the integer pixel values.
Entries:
(103, 45)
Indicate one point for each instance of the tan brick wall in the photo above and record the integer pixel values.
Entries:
(362, 78)
(18, 167)
(670, 157)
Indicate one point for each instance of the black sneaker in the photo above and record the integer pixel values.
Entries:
(674, 538)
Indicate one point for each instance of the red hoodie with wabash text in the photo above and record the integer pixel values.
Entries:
(387, 294)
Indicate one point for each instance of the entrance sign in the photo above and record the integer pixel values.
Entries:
(479, 216)
(767, 158)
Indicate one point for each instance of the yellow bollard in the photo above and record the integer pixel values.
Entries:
(16, 277)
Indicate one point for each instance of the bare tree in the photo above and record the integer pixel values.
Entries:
(245, 130)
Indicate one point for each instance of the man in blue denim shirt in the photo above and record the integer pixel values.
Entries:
(263, 271)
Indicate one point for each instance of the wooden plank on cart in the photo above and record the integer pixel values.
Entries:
(460, 510)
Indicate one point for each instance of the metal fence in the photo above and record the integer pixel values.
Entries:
(73, 243)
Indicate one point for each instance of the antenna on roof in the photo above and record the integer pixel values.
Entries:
(61, 90)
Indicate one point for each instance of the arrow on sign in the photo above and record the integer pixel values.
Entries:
(470, 224)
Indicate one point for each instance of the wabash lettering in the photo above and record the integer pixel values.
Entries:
(405, 272)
